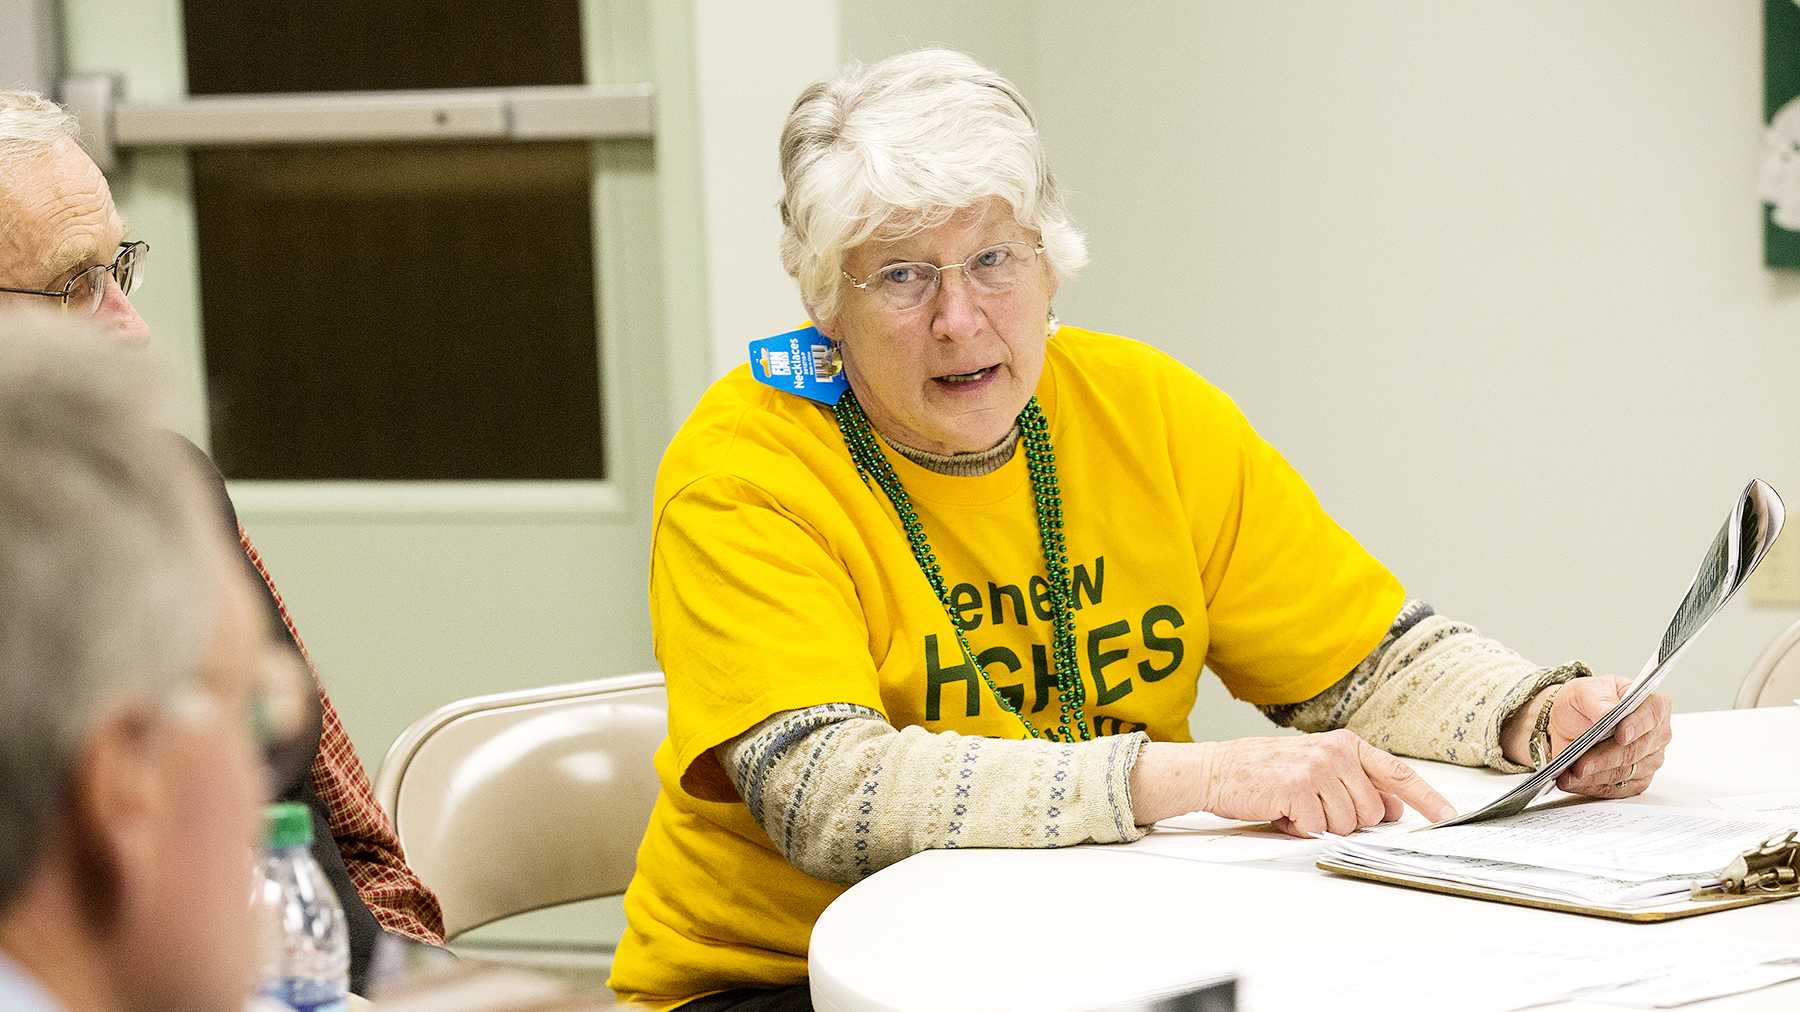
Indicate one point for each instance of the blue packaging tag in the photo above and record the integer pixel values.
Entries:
(800, 362)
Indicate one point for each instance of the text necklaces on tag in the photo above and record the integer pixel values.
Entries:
(1040, 460)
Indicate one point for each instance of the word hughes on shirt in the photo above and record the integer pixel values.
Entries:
(1105, 649)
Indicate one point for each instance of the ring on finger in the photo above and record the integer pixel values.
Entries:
(1630, 775)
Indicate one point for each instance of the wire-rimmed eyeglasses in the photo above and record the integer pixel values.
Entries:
(901, 287)
(86, 292)
(282, 707)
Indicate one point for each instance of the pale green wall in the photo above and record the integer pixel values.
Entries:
(744, 93)
(1489, 274)
(1002, 34)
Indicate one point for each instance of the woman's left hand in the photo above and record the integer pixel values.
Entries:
(1622, 764)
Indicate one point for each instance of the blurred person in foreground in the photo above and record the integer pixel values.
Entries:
(968, 603)
(145, 707)
(63, 246)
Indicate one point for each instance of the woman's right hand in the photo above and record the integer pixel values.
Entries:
(1303, 784)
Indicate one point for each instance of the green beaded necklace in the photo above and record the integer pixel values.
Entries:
(1040, 462)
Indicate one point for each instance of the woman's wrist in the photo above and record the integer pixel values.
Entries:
(1515, 733)
(1170, 778)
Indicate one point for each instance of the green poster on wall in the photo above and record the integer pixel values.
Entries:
(1780, 184)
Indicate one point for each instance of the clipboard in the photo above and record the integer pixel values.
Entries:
(1640, 915)
(1763, 874)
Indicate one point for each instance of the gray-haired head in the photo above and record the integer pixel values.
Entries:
(29, 125)
(108, 563)
(900, 146)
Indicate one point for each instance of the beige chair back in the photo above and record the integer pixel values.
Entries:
(523, 800)
(1774, 680)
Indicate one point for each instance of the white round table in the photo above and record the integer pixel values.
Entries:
(1092, 926)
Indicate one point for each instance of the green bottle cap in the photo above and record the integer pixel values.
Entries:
(287, 824)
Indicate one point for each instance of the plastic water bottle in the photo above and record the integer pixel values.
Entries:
(306, 945)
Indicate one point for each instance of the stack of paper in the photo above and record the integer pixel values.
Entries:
(1745, 539)
(1605, 854)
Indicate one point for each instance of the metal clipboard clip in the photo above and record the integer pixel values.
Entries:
(1771, 867)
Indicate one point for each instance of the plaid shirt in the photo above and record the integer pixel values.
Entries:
(399, 902)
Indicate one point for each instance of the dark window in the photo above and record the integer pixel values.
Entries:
(246, 48)
(388, 311)
(400, 312)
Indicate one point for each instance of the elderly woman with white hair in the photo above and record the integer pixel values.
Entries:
(942, 572)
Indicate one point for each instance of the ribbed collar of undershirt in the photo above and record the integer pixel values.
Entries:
(963, 465)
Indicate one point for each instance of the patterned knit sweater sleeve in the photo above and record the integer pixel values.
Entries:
(1434, 688)
(842, 793)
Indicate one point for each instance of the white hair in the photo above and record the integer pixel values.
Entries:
(902, 146)
(30, 125)
(108, 563)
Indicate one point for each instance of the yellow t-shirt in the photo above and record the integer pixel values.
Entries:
(780, 581)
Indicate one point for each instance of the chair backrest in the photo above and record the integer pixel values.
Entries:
(523, 800)
(1774, 680)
